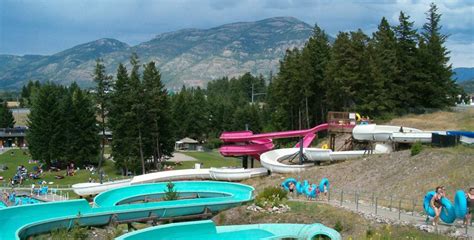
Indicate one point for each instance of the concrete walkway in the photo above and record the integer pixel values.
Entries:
(394, 216)
(181, 157)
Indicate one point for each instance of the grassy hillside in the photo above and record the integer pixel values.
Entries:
(443, 120)
(14, 158)
(399, 174)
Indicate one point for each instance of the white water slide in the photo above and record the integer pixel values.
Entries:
(272, 160)
(383, 134)
(225, 174)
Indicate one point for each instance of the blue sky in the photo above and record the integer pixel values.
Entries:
(49, 26)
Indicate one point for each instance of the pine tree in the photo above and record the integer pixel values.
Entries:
(103, 88)
(382, 52)
(439, 89)
(407, 85)
(120, 119)
(158, 112)
(85, 139)
(6, 117)
(315, 56)
(44, 124)
(181, 109)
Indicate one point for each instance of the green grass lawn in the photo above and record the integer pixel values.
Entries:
(210, 159)
(16, 157)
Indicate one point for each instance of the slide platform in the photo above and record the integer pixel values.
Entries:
(207, 230)
(123, 204)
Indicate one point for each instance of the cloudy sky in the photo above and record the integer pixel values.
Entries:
(49, 26)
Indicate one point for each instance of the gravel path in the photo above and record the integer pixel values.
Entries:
(385, 215)
(181, 157)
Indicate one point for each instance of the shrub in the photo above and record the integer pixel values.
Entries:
(416, 148)
(213, 143)
(369, 232)
(338, 226)
(270, 197)
(170, 192)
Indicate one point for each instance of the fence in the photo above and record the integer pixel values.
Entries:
(374, 202)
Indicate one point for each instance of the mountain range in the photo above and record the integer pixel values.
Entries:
(188, 56)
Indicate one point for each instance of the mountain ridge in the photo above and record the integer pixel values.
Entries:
(189, 56)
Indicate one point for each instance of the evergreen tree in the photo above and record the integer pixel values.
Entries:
(136, 97)
(45, 122)
(383, 70)
(6, 116)
(158, 118)
(406, 85)
(103, 88)
(315, 57)
(439, 90)
(120, 120)
(181, 109)
(84, 133)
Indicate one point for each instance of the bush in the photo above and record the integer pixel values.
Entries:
(416, 148)
(338, 226)
(213, 143)
(270, 197)
(170, 192)
(369, 233)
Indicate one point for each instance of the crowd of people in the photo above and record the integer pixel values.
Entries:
(22, 174)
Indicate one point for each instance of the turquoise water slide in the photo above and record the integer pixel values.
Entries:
(207, 230)
(123, 204)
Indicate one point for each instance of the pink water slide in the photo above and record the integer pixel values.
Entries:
(249, 144)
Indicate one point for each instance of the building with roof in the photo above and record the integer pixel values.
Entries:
(13, 137)
(187, 144)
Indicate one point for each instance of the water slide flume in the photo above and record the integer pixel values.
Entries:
(225, 174)
(123, 204)
(272, 160)
(208, 230)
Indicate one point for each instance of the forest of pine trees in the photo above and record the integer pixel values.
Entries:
(397, 70)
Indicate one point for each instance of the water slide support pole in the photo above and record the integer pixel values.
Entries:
(301, 150)
(245, 162)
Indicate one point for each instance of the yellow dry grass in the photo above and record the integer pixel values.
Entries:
(20, 118)
(443, 120)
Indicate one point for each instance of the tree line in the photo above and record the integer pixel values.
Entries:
(62, 126)
(396, 70)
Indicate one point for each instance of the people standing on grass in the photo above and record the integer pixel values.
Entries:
(470, 206)
(436, 204)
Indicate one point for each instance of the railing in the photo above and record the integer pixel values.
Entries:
(374, 202)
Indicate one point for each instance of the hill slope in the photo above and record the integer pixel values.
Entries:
(463, 74)
(400, 174)
(190, 56)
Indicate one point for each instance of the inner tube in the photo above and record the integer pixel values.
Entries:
(324, 182)
(286, 184)
(427, 204)
(312, 193)
(460, 204)
(448, 214)
(299, 188)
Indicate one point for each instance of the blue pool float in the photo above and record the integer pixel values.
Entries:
(324, 182)
(286, 184)
(460, 204)
(427, 205)
(448, 214)
(299, 188)
(312, 193)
